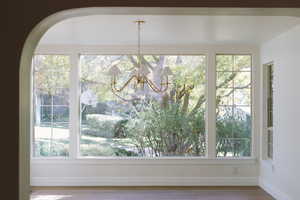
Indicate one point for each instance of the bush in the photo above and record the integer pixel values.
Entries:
(59, 148)
(167, 132)
(104, 150)
(234, 134)
(101, 125)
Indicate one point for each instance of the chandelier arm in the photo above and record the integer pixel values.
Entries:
(154, 87)
(122, 98)
(167, 84)
(113, 84)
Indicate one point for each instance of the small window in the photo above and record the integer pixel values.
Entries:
(233, 109)
(51, 105)
(269, 110)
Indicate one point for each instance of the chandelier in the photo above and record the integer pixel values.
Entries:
(138, 79)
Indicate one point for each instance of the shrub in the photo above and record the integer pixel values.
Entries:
(104, 150)
(167, 132)
(59, 148)
(100, 125)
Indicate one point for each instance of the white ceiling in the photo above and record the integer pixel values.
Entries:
(120, 29)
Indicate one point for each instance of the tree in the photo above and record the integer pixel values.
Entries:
(51, 73)
(51, 85)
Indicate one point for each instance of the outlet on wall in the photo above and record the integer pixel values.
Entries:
(273, 167)
(235, 171)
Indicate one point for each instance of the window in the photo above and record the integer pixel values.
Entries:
(233, 110)
(269, 106)
(76, 114)
(51, 105)
(168, 124)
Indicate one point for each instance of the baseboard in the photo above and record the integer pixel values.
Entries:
(144, 181)
(275, 192)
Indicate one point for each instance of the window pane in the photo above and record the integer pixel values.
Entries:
(45, 113)
(225, 96)
(51, 110)
(270, 144)
(270, 95)
(45, 99)
(157, 125)
(242, 80)
(225, 79)
(224, 113)
(60, 114)
(233, 121)
(242, 63)
(224, 62)
(269, 104)
(61, 97)
(242, 97)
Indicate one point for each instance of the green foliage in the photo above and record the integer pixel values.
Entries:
(120, 129)
(167, 132)
(94, 73)
(104, 150)
(100, 125)
(45, 149)
(234, 134)
(51, 73)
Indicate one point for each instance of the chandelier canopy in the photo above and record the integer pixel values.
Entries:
(138, 79)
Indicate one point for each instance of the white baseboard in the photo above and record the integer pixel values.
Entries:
(272, 190)
(144, 181)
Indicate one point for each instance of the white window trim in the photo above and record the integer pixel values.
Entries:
(210, 51)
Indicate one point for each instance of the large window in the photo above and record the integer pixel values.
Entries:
(51, 105)
(233, 98)
(167, 124)
(76, 114)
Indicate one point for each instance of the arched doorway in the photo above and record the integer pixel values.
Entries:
(41, 28)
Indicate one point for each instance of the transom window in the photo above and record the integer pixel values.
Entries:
(169, 124)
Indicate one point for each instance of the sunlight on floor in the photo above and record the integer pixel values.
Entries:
(51, 197)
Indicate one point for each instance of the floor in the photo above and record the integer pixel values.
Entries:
(193, 193)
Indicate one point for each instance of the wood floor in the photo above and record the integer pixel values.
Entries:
(149, 193)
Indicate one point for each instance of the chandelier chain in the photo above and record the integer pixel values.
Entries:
(139, 22)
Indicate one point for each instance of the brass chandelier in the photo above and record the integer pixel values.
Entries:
(139, 77)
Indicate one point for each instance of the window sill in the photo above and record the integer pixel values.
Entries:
(145, 161)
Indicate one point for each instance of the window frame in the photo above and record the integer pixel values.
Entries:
(210, 51)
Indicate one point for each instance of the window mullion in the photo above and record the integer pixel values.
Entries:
(211, 105)
(74, 106)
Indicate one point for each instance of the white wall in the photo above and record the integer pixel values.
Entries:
(282, 177)
(143, 172)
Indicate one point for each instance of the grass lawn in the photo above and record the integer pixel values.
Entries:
(89, 145)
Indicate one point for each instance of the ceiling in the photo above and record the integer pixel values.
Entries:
(166, 29)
